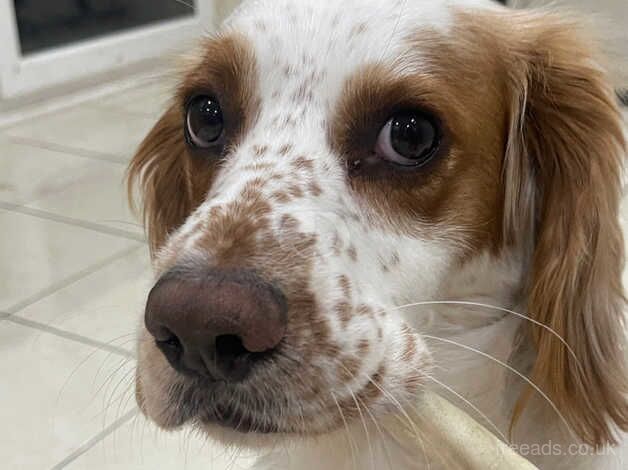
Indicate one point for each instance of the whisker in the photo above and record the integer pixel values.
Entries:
(511, 369)
(472, 406)
(350, 439)
(381, 433)
(366, 431)
(405, 414)
(394, 31)
(493, 307)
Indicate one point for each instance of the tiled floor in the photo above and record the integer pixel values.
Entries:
(74, 272)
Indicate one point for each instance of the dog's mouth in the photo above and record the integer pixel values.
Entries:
(233, 418)
(211, 405)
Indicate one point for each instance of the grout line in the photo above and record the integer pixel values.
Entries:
(77, 152)
(72, 221)
(95, 440)
(71, 336)
(62, 284)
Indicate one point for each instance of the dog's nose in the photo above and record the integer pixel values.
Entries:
(216, 324)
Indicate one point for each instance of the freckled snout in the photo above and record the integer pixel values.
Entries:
(215, 324)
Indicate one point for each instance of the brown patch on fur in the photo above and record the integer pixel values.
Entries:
(363, 347)
(285, 149)
(259, 167)
(281, 197)
(365, 310)
(228, 71)
(409, 350)
(232, 235)
(295, 191)
(260, 150)
(352, 406)
(314, 189)
(532, 143)
(289, 223)
(345, 286)
(303, 163)
(352, 253)
(457, 188)
(343, 310)
(252, 189)
(564, 165)
(172, 181)
(348, 368)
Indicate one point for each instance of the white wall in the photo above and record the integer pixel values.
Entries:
(610, 19)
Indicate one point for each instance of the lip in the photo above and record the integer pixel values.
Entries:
(231, 418)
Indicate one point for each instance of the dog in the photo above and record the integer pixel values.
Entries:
(350, 203)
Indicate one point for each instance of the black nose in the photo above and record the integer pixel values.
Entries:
(216, 324)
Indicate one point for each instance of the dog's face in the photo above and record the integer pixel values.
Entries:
(324, 163)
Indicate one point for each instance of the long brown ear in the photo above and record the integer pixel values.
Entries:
(563, 180)
(162, 175)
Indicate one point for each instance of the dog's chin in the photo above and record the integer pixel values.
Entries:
(251, 440)
(234, 431)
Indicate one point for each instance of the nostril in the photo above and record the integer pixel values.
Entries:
(168, 341)
(230, 347)
(220, 324)
(232, 358)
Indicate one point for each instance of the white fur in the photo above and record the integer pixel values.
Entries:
(315, 36)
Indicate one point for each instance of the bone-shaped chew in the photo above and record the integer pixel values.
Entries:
(454, 438)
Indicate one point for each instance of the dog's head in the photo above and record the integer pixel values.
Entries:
(324, 163)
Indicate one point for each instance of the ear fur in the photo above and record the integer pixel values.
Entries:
(563, 178)
(160, 172)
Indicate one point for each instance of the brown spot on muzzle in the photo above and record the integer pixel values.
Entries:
(241, 235)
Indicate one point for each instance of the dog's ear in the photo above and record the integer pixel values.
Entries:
(161, 175)
(563, 187)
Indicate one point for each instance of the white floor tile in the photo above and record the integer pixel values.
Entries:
(54, 394)
(88, 127)
(105, 306)
(36, 253)
(93, 191)
(149, 100)
(28, 173)
(139, 445)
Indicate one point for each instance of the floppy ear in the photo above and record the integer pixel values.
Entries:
(563, 179)
(164, 175)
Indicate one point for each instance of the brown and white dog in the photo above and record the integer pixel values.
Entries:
(351, 202)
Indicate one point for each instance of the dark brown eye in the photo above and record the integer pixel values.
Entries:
(408, 139)
(204, 122)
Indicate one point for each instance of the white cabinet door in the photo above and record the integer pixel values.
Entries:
(40, 68)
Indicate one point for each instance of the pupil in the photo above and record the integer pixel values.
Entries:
(412, 136)
(206, 121)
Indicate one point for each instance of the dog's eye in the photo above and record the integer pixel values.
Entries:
(204, 121)
(408, 139)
